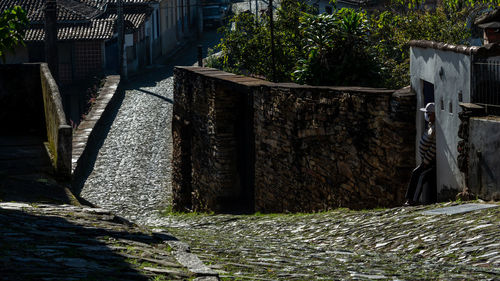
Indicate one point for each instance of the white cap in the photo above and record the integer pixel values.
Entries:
(428, 108)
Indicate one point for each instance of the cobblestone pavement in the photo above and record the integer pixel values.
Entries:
(131, 175)
(64, 242)
(391, 244)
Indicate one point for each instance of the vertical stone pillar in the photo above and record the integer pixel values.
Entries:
(51, 37)
(468, 110)
(182, 134)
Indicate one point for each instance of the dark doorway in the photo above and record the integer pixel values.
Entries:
(428, 92)
(112, 56)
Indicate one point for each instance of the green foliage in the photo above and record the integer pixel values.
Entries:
(13, 22)
(393, 31)
(338, 50)
(349, 47)
(449, 5)
(246, 44)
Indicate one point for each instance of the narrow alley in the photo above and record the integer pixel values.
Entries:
(131, 175)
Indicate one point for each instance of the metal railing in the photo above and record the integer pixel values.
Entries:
(486, 84)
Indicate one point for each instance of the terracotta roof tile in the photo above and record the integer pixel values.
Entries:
(95, 30)
(81, 19)
(135, 19)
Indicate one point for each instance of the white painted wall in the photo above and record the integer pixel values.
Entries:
(450, 74)
(129, 40)
(422, 64)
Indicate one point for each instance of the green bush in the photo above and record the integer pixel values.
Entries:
(338, 50)
(13, 22)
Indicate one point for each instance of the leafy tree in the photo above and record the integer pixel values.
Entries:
(13, 22)
(392, 32)
(349, 47)
(246, 42)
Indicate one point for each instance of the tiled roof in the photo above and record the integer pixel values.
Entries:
(135, 19)
(81, 19)
(94, 30)
(129, 1)
(99, 4)
(67, 10)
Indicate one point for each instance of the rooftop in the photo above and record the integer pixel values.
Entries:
(487, 50)
(81, 19)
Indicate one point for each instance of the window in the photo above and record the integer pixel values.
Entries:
(441, 104)
(460, 96)
(451, 107)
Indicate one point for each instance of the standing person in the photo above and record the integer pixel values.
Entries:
(423, 178)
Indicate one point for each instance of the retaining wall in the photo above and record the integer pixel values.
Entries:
(59, 133)
(240, 142)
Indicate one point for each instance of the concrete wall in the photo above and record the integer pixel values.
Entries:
(450, 73)
(242, 142)
(484, 157)
(59, 133)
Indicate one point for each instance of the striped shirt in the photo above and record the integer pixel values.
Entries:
(427, 146)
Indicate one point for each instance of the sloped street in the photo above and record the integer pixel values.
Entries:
(131, 177)
(389, 244)
(131, 174)
(64, 242)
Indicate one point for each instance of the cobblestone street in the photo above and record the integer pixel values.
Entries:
(131, 177)
(63, 242)
(392, 244)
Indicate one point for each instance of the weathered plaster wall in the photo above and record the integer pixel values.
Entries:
(286, 147)
(450, 73)
(484, 157)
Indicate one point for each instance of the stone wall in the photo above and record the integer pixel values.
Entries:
(321, 148)
(243, 142)
(210, 129)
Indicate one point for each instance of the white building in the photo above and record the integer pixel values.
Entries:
(448, 75)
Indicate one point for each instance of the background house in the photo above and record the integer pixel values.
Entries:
(87, 35)
(87, 38)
